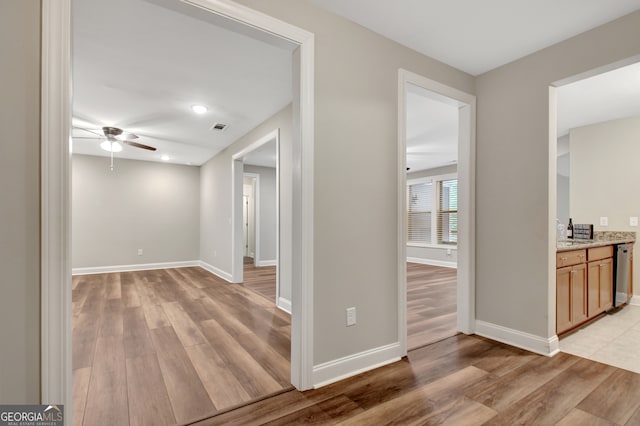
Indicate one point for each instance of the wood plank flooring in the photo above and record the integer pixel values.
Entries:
(172, 346)
(461, 380)
(261, 280)
(431, 304)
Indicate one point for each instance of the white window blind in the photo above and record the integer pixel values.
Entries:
(419, 206)
(448, 211)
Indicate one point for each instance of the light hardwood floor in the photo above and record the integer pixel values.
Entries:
(462, 380)
(431, 304)
(172, 346)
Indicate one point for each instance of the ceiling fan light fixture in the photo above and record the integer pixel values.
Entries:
(199, 109)
(111, 146)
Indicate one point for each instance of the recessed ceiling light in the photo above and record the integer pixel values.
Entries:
(199, 109)
(111, 146)
(165, 158)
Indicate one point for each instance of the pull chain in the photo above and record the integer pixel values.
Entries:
(111, 156)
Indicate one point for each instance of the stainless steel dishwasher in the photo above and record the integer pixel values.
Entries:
(622, 271)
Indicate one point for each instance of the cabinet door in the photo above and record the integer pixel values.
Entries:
(600, 289)
(563, 299)
(579, 310)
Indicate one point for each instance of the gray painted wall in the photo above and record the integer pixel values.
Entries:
(20, 206)
(268, 212)
(215, 190)
(356, 110)
(514, 286)
(605, 176)
(140, 204)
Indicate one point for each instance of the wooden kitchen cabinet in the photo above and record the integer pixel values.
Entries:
(584, 285)
(600, 280)
(571, 296)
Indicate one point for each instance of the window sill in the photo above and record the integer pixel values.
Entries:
(435, 246)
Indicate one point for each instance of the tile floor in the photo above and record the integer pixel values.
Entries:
(613, 339)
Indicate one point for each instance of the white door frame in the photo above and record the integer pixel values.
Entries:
(466, 202)
(237, 173)
(56, 370)
(253, 216)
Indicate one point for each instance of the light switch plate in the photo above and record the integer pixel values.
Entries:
(604, 221)
(633, 221)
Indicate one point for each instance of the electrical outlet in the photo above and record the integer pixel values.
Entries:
(139, 252)
(448, 252)
(604, 221)
(351, 316)
(633, 221)
(215, 253)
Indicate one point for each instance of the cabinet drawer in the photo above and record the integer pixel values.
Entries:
(568, 258)
(598, 253)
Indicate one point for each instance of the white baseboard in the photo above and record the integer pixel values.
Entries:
(339, 369)
(273, 262)
(215, 271)
(635, 300)
(130, 268)
(540, 345)
(432, 262)
(284, 304)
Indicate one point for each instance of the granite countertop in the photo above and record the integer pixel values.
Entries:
(600, 238)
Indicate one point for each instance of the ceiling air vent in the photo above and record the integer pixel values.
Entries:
(219, 127)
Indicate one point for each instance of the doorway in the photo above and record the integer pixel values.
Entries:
(57, 382)
(256, 222)
(435, 210)
(594, 125)
(250, 187)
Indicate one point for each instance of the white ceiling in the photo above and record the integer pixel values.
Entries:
(604, 97)
(141, 64)
(432, 130)
(477, 36)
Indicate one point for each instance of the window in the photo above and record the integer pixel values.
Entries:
(432, 208)
(420, 203)
(448, 212)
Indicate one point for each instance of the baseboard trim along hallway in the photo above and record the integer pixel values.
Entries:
(136, 267)
(540, 345)
(341, 368)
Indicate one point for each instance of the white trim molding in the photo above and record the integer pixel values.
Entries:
(284, 304)
(342, 368)
(540, 345)
(55, 323)
(635, 301)
(433, 262)
(261, 263)
(216, 271)
(135, 267)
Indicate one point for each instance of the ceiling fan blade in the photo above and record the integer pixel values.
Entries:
(125, 136)
(139, 145)
(95, 132)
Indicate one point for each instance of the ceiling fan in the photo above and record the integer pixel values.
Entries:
(115, 138)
